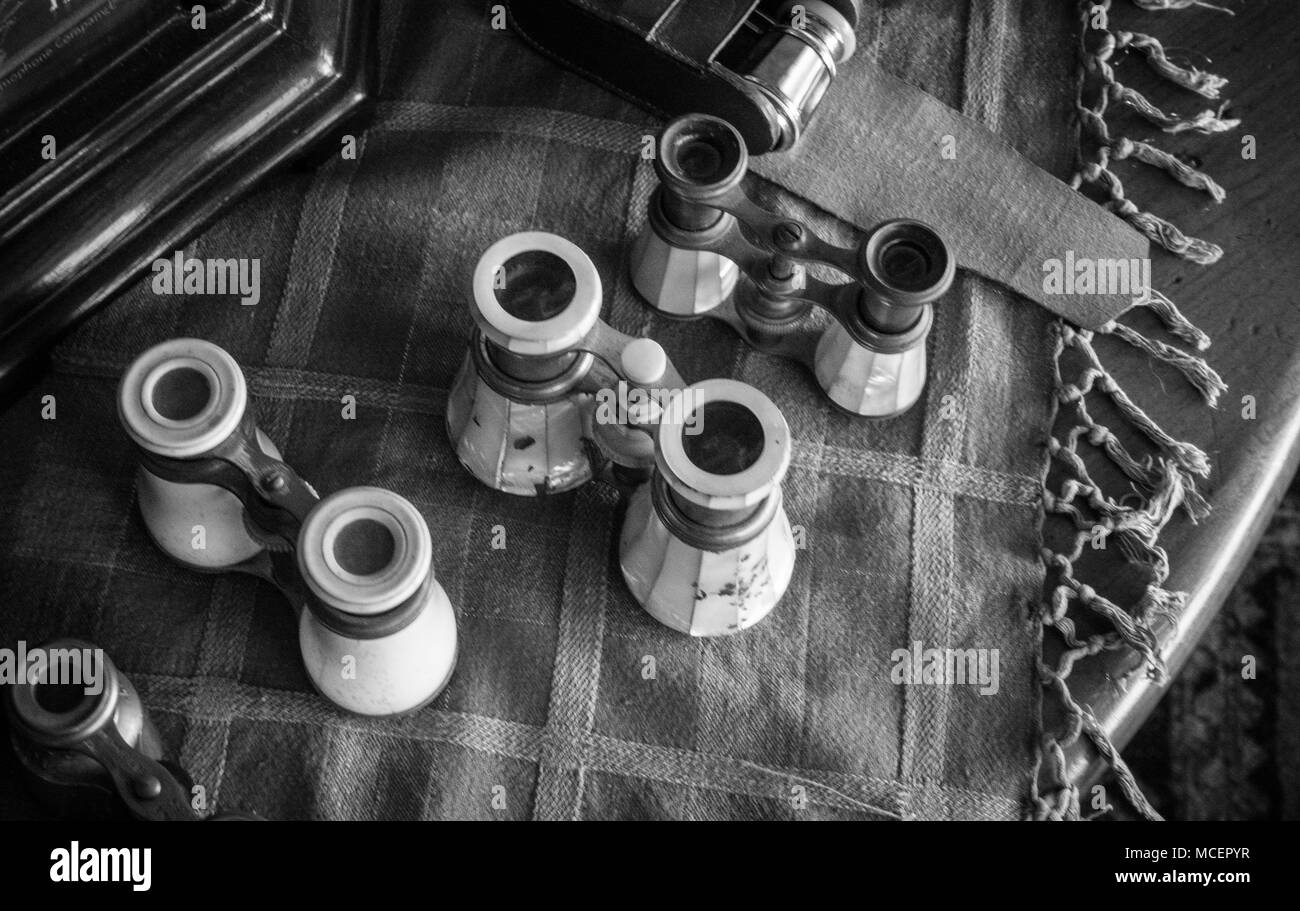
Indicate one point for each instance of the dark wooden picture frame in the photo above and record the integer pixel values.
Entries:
(157, 126)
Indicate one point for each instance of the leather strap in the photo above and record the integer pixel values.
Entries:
(874, 152)
(619, 46)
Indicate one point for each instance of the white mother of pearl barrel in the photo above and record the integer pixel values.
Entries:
(180, 399)
(677, 281)
(521, 447)
(868, 383)
(391, 674)
(712, 591)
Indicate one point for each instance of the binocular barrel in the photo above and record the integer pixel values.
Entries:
(706, 547)
(789, 69)
(515, 414)
(385, 643)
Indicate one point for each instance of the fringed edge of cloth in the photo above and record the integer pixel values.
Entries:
(1099, 88)
(1163, 482)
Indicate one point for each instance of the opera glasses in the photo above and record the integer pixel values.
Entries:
(705, 232)
(550, 397)
(85, 744)
(527, 411)
(377, 633)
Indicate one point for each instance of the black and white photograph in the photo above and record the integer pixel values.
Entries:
(698, 411)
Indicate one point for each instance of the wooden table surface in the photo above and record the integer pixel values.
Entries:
(1248, 303)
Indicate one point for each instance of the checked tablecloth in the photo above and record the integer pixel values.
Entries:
(924, 528)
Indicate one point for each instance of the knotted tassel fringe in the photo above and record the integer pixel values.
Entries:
(1198, 81)
(1183, 173)
(1167, 235)
(1127, 783)
(1206, 122)
(1099, 89)
(1095, 376)
(1160, 5)
(1161, 485)
(1200, 374)
(1169, 314)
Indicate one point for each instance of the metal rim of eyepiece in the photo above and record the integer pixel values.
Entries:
(365, 552)
(60, 726)
(905, 265)
(740, 453)
(536, 392)
(182, 398)
(552, 293)
(881, 341)
(713, 227)
(701, 159)
(713, 538)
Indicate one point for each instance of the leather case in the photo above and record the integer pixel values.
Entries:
(763, 65)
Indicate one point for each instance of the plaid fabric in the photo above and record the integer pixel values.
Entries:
(921, 528)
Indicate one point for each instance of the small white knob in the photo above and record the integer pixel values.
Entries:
(644, 362)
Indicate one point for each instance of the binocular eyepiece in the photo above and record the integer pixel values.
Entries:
(700, 160)
(181, 400)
